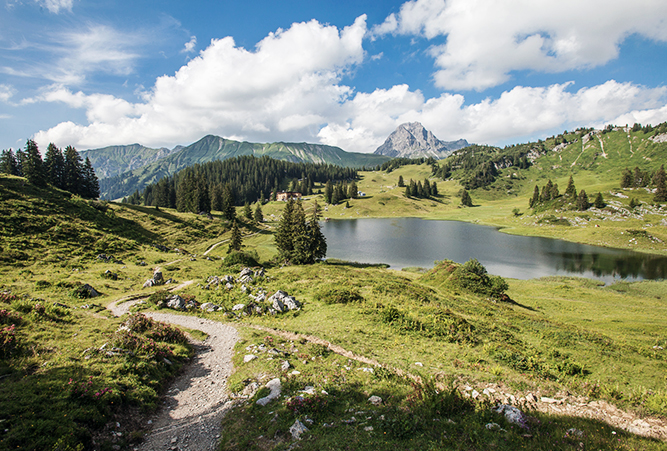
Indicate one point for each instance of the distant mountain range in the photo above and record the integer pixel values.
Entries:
(125, 169)
(412, 140)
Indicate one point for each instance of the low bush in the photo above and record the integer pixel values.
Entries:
(241, 259)
(338, 295)
(473, 277)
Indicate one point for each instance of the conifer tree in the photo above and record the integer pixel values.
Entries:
(283, 236)
(535, 200)
(352, 190)
(626, 179)
(659, 182)
(236, 240)
(228, 210)
(318, 242)
(73, 170)
(247, 211)
(401, 183)
(33, 167)
(91, 185)
(258, 216)
(466, 200)
(54, 162)
(8, 163)
(571, 191)
(546, 192)
(582, 201)
(328, 192)
(20, 160)
(599, 201)
(434, 188)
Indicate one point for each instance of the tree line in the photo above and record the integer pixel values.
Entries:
(223, 184)
(64, 170)
(418, 189)
(550, 193)
(642, 179)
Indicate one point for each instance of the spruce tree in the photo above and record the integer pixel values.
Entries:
(318, 242)
(20, 160)
(258, 216)
(247, 211)
(434, 188)
(599, 201)
(8, 163)
(54, 162)
(236, 240)
(535, 200)
(33, 167)
(466, 200)
(73, 170)
(284, 233)
(627, 179)
(91, 188)
(571, 191)
(401, 183)
(328, 192)
(352, 190)
(582, 201)
(300, 240)
(659, 182)
(228, 210)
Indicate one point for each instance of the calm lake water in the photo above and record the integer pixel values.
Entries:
(417, 242)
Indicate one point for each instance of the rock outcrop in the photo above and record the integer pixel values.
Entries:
(412, 140)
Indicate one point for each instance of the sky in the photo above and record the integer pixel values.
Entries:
(92, 73)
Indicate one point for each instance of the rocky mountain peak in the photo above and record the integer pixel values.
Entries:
(412, 140)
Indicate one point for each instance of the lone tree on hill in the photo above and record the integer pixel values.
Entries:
(599, 201)
(401, 183)
(535, 200)
(466, 200)
(236, 241)
(258, 216)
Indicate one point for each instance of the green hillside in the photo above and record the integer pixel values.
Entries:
(114, 160)
(565, 338)
(211, 148)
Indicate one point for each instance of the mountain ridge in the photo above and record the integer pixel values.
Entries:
(412, 140)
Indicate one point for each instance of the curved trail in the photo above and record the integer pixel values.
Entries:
(196, 401)
(193, 407)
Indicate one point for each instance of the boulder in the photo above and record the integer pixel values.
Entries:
(297, 429)
(110, 275)
(91, 292)
(249, 358)
(261, 297)
(512, 414)
(149, 283)
(278, 305)
(246, 272)
(375, 400)
(228, 279)
(209, 307)
(245, 279)
(282, 302)
(274, 386)
(157, 277)
(260, 273)
(229, 286)
(176, 302)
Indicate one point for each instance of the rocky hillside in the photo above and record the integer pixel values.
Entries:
(114, 160)
(412, 140)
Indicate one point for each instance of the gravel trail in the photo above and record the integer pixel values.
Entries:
(192, 409)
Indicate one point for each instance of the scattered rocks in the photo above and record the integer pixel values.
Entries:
(274, 386)
(176, 302)
(238, 307)
(285, 365)
(209, 307)
(86, 291)
(110, 275)
(282, 302)
(494, 427)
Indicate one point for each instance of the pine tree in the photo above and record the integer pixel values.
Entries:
(599, 201)
(434, 188)
(352, 190)
(203, 203)
(258, 216)
(318, 242)
(91, 185)
(582, 201)
(571, 191)
(20, 160)
(466, 200)
(401, 183)
(408, 191)
(8, 163)
(659, 182)
(236, 241)
(55, 166)
(627, 179)
(535, 200)
(300, 240)
(546, 192)
(33, 167)
(228, 209)
(284, 233)
(73, 170)
(247, 211)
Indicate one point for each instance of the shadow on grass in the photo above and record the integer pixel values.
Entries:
(337, 262)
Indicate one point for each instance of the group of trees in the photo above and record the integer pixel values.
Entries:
(550, 192)
(418, 189)
(300, 241)
(66, 170)
(338, 192)
(640, 179)
(221, 185)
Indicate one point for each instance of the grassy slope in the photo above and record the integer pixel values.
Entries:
(553, 314)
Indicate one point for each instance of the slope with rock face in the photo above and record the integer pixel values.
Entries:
(114, 160)
(412, 140)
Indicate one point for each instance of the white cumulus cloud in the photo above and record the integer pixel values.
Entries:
(488, 39)
(190, 45)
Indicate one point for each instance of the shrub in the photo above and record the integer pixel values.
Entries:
(7, 340)
(7, 317)
(338, 295)
(240, 258)
(473, 277)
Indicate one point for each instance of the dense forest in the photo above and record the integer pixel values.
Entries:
(66, 170)
(217, 185)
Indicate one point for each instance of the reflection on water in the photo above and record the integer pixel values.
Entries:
(416, 242)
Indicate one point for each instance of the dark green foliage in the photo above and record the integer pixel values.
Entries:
(466, 200)
(247, 211)
(473, 277)
(627, 180)
(599, 201)
(236, 241)
(634, 203)
(535, 200)
(8, 163)
(299, 241)
(570, 191)
(659, 182)
(258, 216)
(396, 163)
(33, 166)
(237, 258)
(55, 166)
(247, 178)
(582, 201)
(338, 295)
(91, 186)
(401, 183)
(328, 192)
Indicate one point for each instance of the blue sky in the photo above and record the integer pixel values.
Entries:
(345, 73)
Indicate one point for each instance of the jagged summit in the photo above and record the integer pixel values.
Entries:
(412, 140)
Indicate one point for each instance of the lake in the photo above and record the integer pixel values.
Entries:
(403, 242)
